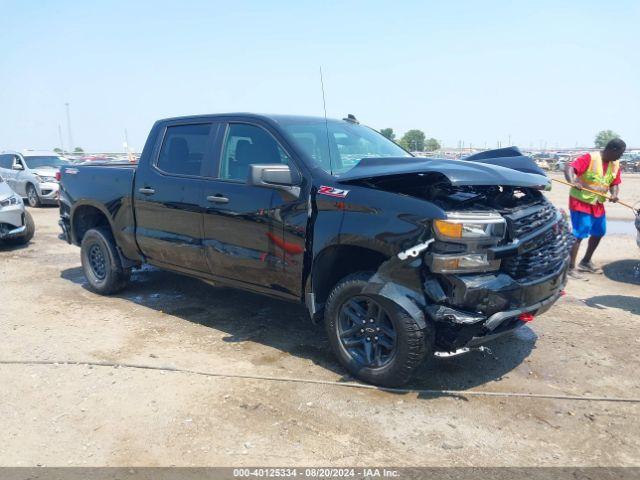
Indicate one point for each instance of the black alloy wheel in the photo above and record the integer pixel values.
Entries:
(373, 337)
(366, 332)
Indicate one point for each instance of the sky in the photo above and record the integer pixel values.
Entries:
(543, 73)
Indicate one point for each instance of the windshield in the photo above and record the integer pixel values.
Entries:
(46, 161)
(348, 144)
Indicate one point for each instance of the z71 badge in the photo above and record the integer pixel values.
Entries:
(332, 192)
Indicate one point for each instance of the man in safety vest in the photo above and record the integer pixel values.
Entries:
(598, 171)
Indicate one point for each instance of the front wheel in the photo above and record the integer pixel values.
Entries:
(101, 262)
(32, 196)
(28, 233)
(374, 339)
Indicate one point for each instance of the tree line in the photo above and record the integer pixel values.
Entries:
(414, 140)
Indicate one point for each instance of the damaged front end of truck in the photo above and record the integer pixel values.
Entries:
(495, 257)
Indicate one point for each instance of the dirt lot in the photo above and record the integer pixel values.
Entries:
(77, 414)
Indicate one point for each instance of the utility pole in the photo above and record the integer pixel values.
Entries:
(60, 137)
(509, 141)
(69, 127)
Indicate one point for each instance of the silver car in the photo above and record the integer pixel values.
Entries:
(32, 174)
(16, 224)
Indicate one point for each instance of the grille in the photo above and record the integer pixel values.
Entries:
(530, 219)
(543, 255)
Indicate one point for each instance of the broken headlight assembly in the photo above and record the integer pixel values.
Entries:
(465, 263)
(477, 231)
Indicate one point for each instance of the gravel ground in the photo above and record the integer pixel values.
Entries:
(58, 414)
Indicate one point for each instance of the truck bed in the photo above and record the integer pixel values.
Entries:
(102, 183)
(104, 186)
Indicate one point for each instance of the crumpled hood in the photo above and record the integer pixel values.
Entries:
(458, 172)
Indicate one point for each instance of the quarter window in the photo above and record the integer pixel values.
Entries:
(184, 148)
(246, 145)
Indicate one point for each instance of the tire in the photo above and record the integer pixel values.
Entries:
(101, 262)
(32, 196)
(410, 344)
(28, 233)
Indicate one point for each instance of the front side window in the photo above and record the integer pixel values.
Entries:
(183, 149)
(339, 146)
(246, 145)
(40, 161)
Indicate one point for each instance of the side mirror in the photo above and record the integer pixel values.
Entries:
(18, 166)
(274, 176)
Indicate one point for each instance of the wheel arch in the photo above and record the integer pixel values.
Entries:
(86, 216)
(335, 262)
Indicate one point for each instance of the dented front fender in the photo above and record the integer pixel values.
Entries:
(400, 282)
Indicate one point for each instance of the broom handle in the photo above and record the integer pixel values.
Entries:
(606, 195)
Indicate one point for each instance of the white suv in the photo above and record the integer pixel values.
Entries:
(32, 174)
(16, 224)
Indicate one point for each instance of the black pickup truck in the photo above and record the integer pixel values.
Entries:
(400, 256)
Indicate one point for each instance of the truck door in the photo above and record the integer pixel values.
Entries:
(167, 196)
(243, 231)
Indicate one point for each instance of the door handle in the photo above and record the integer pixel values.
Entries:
(147, 191)
(217, 199)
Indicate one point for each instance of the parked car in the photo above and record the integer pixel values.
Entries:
(543, 164)
(32, 174)
(399, 256)
(16, 224)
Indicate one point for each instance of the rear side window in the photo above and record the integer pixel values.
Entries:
(184, 148)
(6, 161)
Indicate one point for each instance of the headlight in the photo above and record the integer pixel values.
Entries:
(478, 231)
(470, 226)
(12, 200)
(464, 263)
(43, 179)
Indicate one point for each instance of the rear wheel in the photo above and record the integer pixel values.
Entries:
(101, 262)
(32, 196)
(373, 338)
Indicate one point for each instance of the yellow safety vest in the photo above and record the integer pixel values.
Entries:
(595, 179)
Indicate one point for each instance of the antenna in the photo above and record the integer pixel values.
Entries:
(326, 122)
